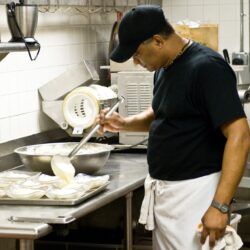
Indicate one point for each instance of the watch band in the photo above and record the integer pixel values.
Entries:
(222, 207)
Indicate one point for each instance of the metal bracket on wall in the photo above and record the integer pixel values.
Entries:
(6, 47)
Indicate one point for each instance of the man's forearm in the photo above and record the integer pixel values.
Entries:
(139, 122)
(234, 160)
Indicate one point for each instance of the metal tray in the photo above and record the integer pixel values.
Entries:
(54, 202)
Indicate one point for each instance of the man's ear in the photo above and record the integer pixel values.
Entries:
(158, 41)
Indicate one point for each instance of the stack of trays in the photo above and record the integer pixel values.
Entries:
(21, 187)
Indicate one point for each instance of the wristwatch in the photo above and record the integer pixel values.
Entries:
(224, 208)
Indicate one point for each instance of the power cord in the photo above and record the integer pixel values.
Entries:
(121, 147)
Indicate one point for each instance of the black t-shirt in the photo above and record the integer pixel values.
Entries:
(192, 98)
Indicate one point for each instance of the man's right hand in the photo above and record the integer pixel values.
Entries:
(114, 123)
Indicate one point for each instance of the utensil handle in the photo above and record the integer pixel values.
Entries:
(226, 56)
(94, 130)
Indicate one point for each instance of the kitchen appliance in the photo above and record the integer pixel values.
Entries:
(22, 21)
(83, 104)
(135, 84)
(73, 100)
(137, 89)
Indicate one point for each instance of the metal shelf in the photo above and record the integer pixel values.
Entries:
(6, 48)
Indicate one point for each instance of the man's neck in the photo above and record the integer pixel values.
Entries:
(175, 46)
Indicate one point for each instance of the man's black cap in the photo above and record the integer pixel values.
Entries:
(138, 25)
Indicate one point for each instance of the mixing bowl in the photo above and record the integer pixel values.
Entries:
(91, 157)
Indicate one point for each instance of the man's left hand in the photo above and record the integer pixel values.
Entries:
(214, 225)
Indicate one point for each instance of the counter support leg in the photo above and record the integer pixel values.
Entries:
(129, 228)
(26, 244)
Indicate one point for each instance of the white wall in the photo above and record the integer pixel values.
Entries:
(66, 39)
(225, 13)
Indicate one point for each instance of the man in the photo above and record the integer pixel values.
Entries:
(198, 134)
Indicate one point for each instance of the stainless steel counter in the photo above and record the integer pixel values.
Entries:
(127, 172)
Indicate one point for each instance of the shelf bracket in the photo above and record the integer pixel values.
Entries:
(6, 47)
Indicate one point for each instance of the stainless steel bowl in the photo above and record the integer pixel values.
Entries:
(91, 158)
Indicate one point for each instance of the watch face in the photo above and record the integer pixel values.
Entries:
(224, 208)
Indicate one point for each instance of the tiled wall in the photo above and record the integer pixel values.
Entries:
(225, 13)
(66, 38)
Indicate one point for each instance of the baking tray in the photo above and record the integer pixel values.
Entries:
(54, 202)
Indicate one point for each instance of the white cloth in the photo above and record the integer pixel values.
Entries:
(230, 241)
(178, 207)
(147, 208)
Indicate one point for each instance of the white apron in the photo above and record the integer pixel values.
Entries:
(173, 209)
